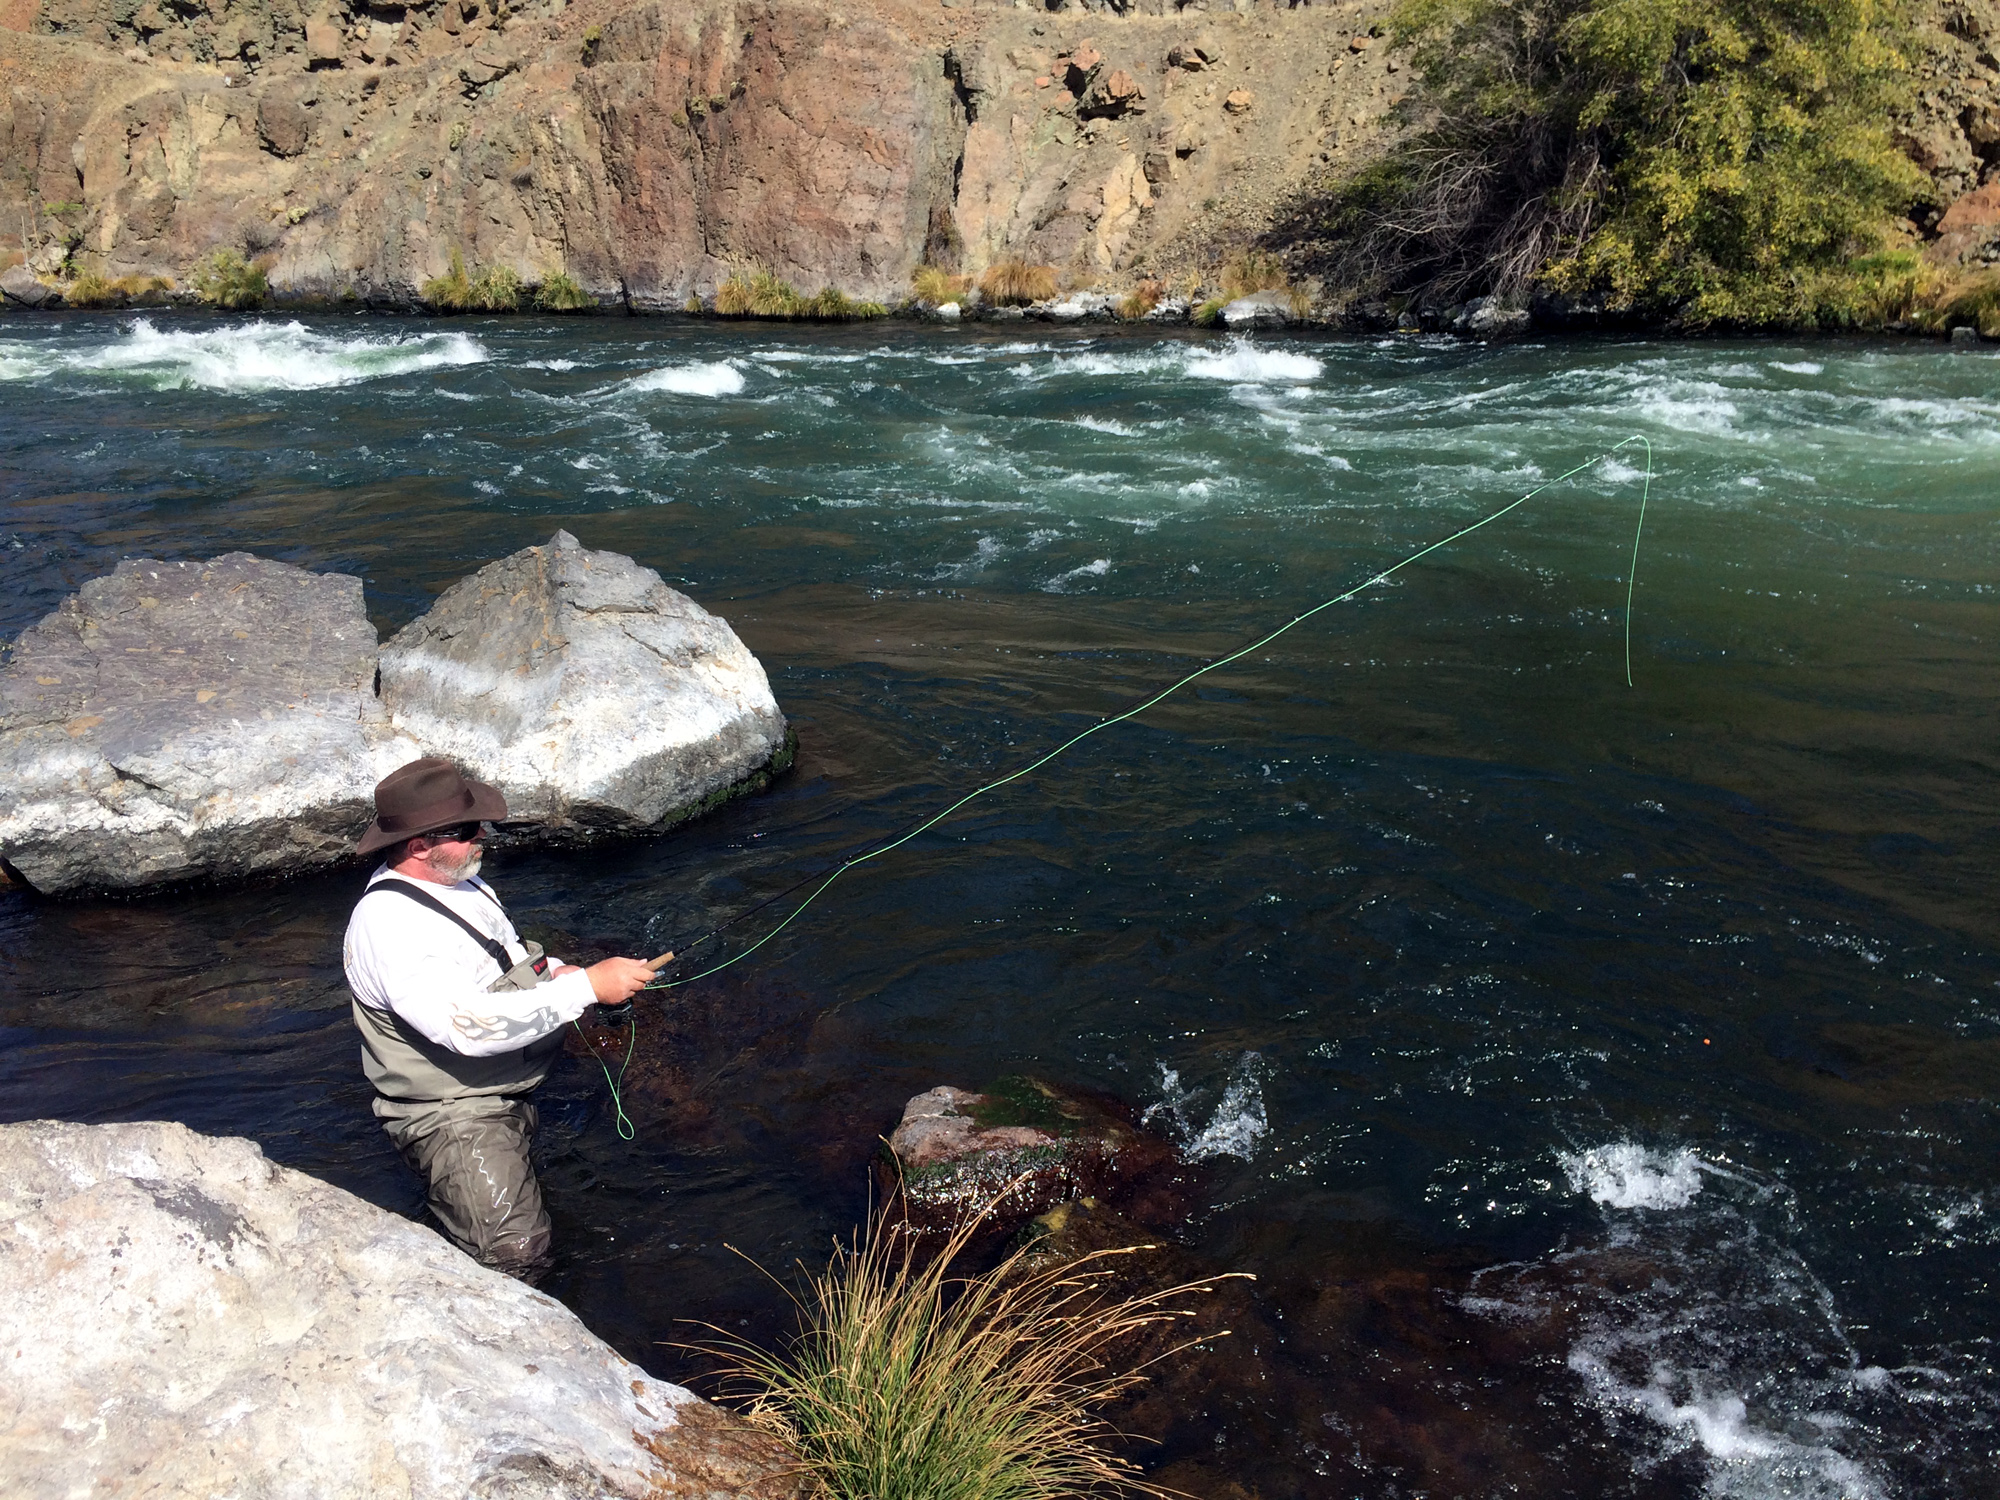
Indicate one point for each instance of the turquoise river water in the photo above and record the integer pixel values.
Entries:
(1600, 1080)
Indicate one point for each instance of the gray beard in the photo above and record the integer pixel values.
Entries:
(451, 871)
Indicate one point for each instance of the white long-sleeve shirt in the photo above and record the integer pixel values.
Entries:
(403, 957)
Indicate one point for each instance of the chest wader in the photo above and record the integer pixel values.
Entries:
(465, 1122)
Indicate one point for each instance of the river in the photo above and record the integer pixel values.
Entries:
(1600, 1079)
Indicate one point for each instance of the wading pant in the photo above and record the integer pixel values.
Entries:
(474, 1154)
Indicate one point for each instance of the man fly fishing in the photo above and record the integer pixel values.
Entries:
(460, 1018)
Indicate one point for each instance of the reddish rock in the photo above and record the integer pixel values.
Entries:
(1978, 209)
(323, 39)
(1360, 43)
(1239, 101)
(1110, 95)
(1025, 1147)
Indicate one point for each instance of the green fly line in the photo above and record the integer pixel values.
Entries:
(1223, 661)
(621, 1120)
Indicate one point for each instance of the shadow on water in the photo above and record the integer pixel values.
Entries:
(1599, 1081)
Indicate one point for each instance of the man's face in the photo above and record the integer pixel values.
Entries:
(454, 853)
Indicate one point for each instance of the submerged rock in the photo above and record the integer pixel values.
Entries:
(186, 1318)
(178, 720)
(1025, 1147)
(595, 697)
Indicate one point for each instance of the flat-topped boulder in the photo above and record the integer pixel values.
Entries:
(185, 1318)
(1020, 1148)
(595, 697)
(177, 720)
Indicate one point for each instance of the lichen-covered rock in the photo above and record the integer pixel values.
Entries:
(185, 1318)
(595, 697)
(1023, 1147)
(182, 720)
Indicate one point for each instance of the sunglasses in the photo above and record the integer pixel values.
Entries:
(459, 833)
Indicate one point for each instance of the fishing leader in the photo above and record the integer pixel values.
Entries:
(460, 1018)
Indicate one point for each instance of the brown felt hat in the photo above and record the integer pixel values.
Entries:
(424, 796)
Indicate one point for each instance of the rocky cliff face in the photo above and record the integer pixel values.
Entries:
(648, 149)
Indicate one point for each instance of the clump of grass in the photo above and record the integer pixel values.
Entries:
(223, 278)
(1252, 271)
(908, 1383)
(92, 290)
(1901, 287)
(762, 294)
(1015, 283)
(493, 289)
(1142, 299)
(559, 292)
(832, 304)
(1206, 314)
(933, 286)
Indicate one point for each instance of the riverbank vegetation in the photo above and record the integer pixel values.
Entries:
(224, 279)
(491, 289)
(907, 1382)
(1016, 283)
(1708, 162)
(760, 293)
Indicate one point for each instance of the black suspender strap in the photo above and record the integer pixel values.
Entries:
(424, 898)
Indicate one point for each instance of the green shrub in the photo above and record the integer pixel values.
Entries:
(223, 278)
(907, 1383)
(1206, 314)
(1718, 161)
(560, 293)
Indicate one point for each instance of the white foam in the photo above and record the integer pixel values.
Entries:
(1061, 583)
(549, 364)
(1238, 1123)
(250, 356)
(1799, 366)
(1245, 363)
(1626, 1175)
(719, 378)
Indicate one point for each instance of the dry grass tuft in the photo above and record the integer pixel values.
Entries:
(1015, 283)
(760, 294)
(1251, 271)
(933, 286)
(494, 289)
(1142, 299)
(92, 290)
(908, 1383)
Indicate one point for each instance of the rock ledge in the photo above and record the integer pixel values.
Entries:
(186, 1318)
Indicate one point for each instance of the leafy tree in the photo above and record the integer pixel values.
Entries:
(1717, 160)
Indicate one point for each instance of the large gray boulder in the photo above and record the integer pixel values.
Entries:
(19, 284)
(595, 697)
(184, 1318)
(178, 720)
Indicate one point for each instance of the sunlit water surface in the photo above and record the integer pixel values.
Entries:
(1600, 1079)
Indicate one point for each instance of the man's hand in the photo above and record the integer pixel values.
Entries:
(617, 980)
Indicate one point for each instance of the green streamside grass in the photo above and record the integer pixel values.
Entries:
(907, 1382)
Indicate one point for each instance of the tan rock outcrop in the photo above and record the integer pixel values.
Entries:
(650, 148)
